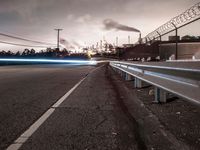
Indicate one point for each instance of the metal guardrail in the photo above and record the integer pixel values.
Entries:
(181, 81)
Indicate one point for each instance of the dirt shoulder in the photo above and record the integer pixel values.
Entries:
(174, 125)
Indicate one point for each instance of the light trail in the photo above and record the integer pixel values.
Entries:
(80, 62)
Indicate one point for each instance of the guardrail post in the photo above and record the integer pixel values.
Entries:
(128, 77)
(160, 95)
(124, 75)
(139, 83)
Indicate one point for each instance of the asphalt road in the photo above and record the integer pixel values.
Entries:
(101, 113)
(91, 118)
(26, 92)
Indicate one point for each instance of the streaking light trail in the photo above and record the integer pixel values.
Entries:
(77, 62)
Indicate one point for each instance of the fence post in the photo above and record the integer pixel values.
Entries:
(176, 29)
(159, 36)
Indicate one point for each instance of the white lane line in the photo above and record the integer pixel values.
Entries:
(26, 135)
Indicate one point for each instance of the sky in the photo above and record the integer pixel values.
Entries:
(82, 20)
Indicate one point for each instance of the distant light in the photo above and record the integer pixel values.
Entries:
(81, 62)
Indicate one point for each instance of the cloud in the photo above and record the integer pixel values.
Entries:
(84, 19)
(70, 17)
(72, 44)
(10, 18)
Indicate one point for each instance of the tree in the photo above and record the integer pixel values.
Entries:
(26, 52)
(32, 52)
(188, 37)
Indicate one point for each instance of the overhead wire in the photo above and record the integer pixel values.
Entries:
(24, 45)
(25, 39)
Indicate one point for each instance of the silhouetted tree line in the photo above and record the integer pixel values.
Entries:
(30, 53)
(190, 38)
(48, 53)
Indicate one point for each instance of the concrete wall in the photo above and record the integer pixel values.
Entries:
(185, 50)
(141, 51)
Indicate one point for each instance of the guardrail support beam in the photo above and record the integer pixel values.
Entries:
(128, 77)
(140, 84)
(160, 95)
(123, 74)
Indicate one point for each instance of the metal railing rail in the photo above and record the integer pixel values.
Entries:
(189, 16)
(181, 81)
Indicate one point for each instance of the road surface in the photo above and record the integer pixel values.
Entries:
(26, 92)
(90, 118)
(100, 113)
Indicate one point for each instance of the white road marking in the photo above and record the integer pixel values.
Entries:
(27, 134)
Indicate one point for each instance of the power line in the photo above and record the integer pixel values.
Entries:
(24, 45)
(24, 39)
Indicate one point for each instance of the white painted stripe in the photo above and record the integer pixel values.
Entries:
(27, 134)
(67, 94)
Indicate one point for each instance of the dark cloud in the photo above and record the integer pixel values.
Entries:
(111, 24)
(10, 18)
(69, 44)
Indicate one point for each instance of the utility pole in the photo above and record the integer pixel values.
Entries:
(58, 37)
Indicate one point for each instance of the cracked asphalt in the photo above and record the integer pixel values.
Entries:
(103, 113)
(26, 92)
(90, 118)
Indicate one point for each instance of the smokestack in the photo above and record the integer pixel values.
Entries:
(104, 39)
(140, 38)
(101, 44)
(129, 40)
(97, 46)
(116, 41)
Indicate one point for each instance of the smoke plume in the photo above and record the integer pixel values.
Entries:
(111, 24)
(66, 43)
